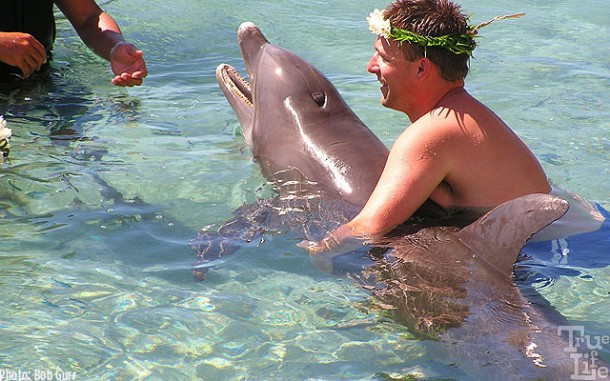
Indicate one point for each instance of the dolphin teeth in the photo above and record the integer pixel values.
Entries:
(238, 84)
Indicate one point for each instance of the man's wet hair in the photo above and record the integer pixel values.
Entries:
(432, 18)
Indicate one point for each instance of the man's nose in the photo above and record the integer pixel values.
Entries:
(372, 66)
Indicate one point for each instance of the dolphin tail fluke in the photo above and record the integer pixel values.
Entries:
(503, 231)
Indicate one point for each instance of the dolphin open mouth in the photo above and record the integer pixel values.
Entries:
(238, 85)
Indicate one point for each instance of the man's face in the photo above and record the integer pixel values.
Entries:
(394, 73)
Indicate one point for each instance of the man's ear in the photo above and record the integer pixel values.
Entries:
(424, 68)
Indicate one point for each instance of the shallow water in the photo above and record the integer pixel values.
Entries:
(95, 264)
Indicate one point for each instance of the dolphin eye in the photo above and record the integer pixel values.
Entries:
(319, 98)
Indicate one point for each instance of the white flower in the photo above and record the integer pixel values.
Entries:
(5, 133)
(378, 25)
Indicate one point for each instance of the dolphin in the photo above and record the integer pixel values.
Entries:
(298, 127)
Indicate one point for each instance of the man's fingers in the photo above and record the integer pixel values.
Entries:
(313, 247)
(33, 50)
(306, 244)
(23, 51)
(28, 65)
(40, 55)
(126, 80)
(138, 75)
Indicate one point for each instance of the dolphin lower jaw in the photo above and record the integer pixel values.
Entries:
(237, 84)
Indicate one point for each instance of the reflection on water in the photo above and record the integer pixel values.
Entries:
(105, 187)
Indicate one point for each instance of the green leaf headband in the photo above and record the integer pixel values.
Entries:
(455, 43)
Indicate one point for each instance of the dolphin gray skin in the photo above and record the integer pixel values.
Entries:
(296, 124)
(455, 288)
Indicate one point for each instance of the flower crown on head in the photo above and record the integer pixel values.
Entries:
(455, 43)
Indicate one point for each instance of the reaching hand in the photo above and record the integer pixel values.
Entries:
(23, 51)
(128, 65)
(336, 243)
(326, 245)
(341, 240)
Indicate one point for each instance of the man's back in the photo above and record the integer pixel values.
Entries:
(486, 163)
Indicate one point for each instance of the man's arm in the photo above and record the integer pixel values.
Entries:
(417, 164)
(102, 35)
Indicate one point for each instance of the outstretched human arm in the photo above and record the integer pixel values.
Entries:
(102, 35)
(23, 51)
(417, 164)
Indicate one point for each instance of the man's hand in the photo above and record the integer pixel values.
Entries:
(314, 248)
(339, 241)
(128, 65)
(23, 51)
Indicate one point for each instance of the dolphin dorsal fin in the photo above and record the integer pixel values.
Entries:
(500, 234)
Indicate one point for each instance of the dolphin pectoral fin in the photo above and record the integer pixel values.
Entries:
(499, 235)
(236, 85)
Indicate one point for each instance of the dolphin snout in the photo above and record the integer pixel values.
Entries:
(247, 31)
(251, 41)
(250, 35)
(244, 26)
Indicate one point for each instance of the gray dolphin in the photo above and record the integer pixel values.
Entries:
(296, 124)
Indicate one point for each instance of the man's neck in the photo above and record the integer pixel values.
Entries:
(432, 96)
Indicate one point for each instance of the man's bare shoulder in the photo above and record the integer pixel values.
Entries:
(436, 128)
(428, 138)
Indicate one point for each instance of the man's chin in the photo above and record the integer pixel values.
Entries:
(385, 102)
(384, 96)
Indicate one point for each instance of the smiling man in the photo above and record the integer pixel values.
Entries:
(457, 152)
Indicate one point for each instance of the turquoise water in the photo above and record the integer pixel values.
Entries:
(95, 273)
